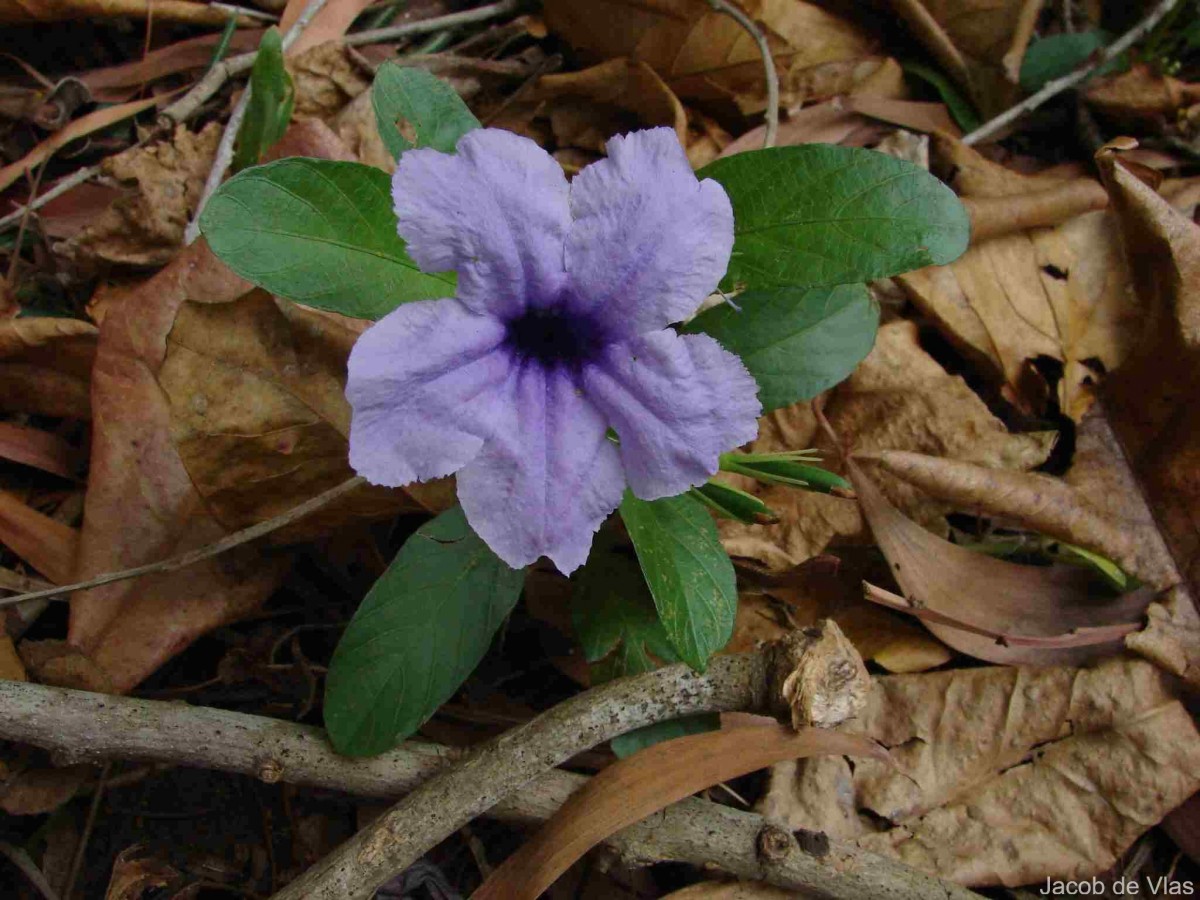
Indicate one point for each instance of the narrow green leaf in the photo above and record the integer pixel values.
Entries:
(733, 503)
(269, 108)
(1057, 55)
(432, 108)
(418, 634)
(796, 342)
(956, 101)
(822, 215)
(618, 628)
(688, 572)
(318, 232)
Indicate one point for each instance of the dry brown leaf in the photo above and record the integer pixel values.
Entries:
(1150, 401)
(329, 24)
(45, 543)
(23, 12)
(898, 398)
(1040, 503)
(1004, 775)
(651, 779)
(1025, 604)
(1059, 292)
(136, 872)
(1140, 96)
(38, 448)
(707, 56)
(255, 389)
(46, 366)
(41, 790)
(356, 128)
(325, 78)
(115, 83)
(11, 667)
(162, 185)
(1171, 637)
(59, 664)
(81, 127)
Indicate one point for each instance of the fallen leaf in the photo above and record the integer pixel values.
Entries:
(1040, 503)
(46, 365)
(1024, 604)
(651, 779)
(1004, 775)
(162, 184)
(255, 389)
(1171, 637)
(329, 24)
(136, 872)
(59, 664)
(1140, 96)
(716, 890)
(1150, 399)
(45, 543)
(81, 127)
(34, 792)
(898, 398)
(1060, 292)
(38, 448)
(22, 12)
(325, 78)
(706, 56)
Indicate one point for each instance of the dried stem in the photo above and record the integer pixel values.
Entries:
(82, 727)
(426, 26)
(772, 77)
(1058, 85)
(201, 553)
(73, 180)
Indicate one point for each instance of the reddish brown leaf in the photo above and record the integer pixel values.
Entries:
(656, 777)
(46, 544)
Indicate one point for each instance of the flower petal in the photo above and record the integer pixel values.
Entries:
(496, 213)
(649, 242)
(548, 476)
(421, 381)
(677, 402)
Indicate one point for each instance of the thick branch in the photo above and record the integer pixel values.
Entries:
(83, 727)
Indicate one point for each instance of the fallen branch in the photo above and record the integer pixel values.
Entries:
(772, 77)
(85, 727)
(200, 553)
(1058, 85)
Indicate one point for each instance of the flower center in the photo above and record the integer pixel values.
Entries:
(553, 337)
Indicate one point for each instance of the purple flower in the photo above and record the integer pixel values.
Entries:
(559, 332)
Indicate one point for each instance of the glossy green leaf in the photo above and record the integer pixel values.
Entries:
(318, 232)
(823, 215)
(688, 572)
(796, 342)
(431, 107)
(418, 634)
(618, 629)
(1058, 55)
(269, 108)
(729, 502)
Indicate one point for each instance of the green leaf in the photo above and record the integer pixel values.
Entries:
(420, 631)
(956, 101)
(688, 572)
(821, 215)
(618, 628)
(269, 108)
(796, 342)
(1057, 55)
(432, 107)
(318, 232)
(733, 503)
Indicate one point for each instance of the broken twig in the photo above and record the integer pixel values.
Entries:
(772, 77)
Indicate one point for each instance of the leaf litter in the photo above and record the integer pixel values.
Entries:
(213, 406)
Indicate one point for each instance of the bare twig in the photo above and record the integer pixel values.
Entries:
(88, 825)
(201, 553)
(935, 39)
(19, 857)
(73, 180)
(85, 727)
(1058, 85)
(772, 77)
(427, 26)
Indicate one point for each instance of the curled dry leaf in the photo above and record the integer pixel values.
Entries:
(1150, 401)
(706, 56)
(1004, 775)
(1171, 637)
(1060, 292)
(137, 872)
(38, 448)
(651, 779)
(41, 541)
(1021, 602)
(11, 667)
(898, 398)
(46, 366)
(1040, 503)
(23, 12)
(162, 184)
(325, 78)
(1141, 96)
